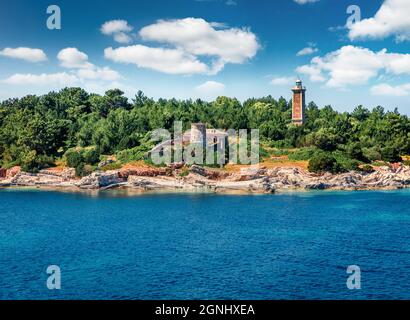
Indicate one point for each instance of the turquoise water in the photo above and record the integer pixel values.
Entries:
(289, 246)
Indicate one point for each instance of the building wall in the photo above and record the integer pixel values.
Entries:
(298, 106)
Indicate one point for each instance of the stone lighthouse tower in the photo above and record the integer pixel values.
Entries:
(299, 104)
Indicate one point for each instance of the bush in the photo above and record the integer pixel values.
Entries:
(91, 156)
(345, 162)
(74, 158)
(354, 151)
(303, 154)
(31, 162)
(112, 166)
(133, 154)
(372, 154)
(280, 152)
(367, 168)
(184, 173)
(323, 162)
(391, 154)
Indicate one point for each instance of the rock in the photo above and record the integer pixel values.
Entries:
(105, 162)
(143, 172)
(13, 172)
(198, 170)
(176, 165)
(98, 180)
(251, 173)
(317, 186)
(68, 173)
(207, 173)
(3, 173)
(30, 179)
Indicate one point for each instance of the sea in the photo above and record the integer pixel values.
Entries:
(323, 245)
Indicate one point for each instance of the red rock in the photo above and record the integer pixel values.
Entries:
(3, 173)
(142, 172)
(13, 172)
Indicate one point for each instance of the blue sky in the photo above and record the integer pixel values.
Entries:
(193, 48)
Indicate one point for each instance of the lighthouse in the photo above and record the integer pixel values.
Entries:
(299, 104)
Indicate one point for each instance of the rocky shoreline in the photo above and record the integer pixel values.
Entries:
(250, 180)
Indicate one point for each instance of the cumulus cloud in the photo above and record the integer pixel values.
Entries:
(385, 89)
(305, 1)
(23, 53)
(184, 43)
(280, 81)
(62, 79)
(44, 79)
(391, 19)
(74, 59)
(352, 65)
(81, 72)
(104, 73)
(210, 89)
(314, 72)
(119, 29)
(172, 61)
(311, 49)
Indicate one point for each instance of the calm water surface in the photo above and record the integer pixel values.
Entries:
(289, 246)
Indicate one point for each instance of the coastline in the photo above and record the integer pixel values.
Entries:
(199, 180)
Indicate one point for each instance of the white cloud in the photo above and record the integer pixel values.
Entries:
(104, 73)
(184, 43)
(74, 59)
(391, 19)
(385, 89)
(314, 73)
(281, 81)
(82, 73)
(44, 79)
(352, 65)
(307, 51)
(199, 37)
(119, 29)
(27, 54)
(210, 89)
(305, 1)
(172, 61)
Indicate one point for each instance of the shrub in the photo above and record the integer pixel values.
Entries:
(303, 154)
(345, 162)
(379, 164)
(91, 156)
(354, 151)
(391, 154)
(133, 154)
(32, 162)
(112, 166)
(280, 152)
(323, 162)
(79, 170)
(184, 173)
(372, 154)
(74, 158)
(367, 168)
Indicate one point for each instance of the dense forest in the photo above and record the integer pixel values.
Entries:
(81, 129)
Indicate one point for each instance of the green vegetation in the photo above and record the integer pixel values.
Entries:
(78, 127)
